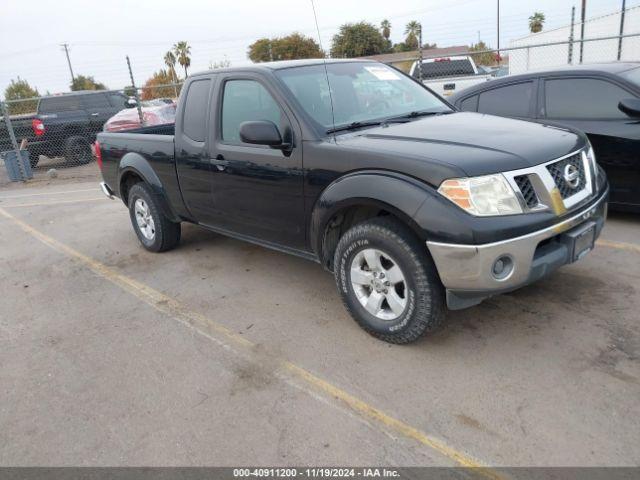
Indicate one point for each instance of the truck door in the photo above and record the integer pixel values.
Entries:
(98, 109)
(257, 190)
(191, 148)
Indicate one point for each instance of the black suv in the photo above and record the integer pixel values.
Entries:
(601, 100)
(65, 125)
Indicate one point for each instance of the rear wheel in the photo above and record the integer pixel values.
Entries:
(34, 158)
(77, 151)
(387, 281)
(154, 230)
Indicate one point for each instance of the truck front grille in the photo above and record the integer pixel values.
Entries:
(571, 176)
(558, 171)
(527, 190)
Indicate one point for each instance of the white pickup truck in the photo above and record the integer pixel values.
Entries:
(449, 75)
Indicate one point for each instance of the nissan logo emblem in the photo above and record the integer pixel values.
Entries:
(572, 175)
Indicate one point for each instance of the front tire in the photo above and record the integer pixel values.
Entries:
(154, 230)
(388, 281)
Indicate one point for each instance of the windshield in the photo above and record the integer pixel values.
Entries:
(632, 75)
(362, 92)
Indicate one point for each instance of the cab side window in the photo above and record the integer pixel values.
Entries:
(583, 98)
(247, 100)
(508, 101)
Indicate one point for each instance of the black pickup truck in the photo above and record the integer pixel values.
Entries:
(413, 205)
(65, 125)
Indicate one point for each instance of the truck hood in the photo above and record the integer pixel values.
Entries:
(470, 144)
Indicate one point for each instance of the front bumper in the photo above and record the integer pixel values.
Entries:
(467, 272)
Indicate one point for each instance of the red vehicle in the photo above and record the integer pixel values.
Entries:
(154, 113)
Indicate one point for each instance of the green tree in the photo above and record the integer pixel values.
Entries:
(182, 51)
(86, 83)
(129, 91)
(486, 58)
(156, 86)
(291, 47)
(260, 51)
(412, 31)
(170, 62)
(536, 22)
(385, 28)
(358, 40)
(15, 94)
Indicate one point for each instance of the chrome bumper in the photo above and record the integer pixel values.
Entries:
(106, 190)
(467, 270)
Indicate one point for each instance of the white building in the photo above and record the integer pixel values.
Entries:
(536, 58)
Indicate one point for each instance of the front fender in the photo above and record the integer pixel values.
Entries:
(399, 194)
(135, 163)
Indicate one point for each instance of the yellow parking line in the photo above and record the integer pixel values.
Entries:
(44, 204)
(631, 247)
(64, 192)
(222, 335)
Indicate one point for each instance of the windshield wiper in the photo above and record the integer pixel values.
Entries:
(419, 113)
(354, 125)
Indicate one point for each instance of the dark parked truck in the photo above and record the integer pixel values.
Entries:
(65, 125)
(413, 205)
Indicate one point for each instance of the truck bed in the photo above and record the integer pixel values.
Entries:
(152, 145)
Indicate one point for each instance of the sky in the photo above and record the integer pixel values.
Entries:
(101, 33)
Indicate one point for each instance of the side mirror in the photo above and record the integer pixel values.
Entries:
(630, 106)
(261, 132)
(130, 103)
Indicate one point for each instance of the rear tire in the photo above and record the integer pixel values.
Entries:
(77, 151)
(154, 230)
(388, 281)
(34, 158)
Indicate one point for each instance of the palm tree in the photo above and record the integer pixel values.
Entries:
(182, 51)
(536, 22)
(385, 26)
(412, 31)
(170, 62)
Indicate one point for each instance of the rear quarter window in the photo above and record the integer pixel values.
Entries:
(196, 106)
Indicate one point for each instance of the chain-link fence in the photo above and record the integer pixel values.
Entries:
(58, 131)
(451, 72)
(522, 58)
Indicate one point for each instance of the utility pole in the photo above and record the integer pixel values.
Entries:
(135, 93)
(621, 28)
(498, 35)
(573, 18)
(420, 54)
(66, 51)
(478, 36)
(582, 19)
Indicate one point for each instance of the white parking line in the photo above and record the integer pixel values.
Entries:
(96, 189)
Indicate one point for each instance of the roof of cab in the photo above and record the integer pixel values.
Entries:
(280, 65)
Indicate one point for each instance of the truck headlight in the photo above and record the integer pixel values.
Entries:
(482, 196)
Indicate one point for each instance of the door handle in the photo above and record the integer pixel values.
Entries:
(95, 114)
(219, 162)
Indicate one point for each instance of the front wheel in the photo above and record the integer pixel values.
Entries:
(154, 230)
(387, 281)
